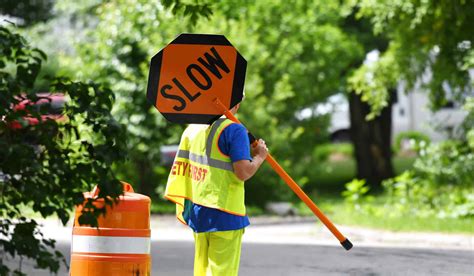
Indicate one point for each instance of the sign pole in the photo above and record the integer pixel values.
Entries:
(292, 184)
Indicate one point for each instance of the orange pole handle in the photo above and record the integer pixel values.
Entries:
(294, 186)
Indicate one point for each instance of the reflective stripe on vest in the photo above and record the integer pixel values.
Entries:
(205, 160)
(212, 133)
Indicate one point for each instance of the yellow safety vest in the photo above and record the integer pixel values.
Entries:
(204, 175)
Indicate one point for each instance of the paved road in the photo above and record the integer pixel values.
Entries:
(176, 258)
(294, 246)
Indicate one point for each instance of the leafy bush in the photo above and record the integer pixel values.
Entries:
(441, 182)
(322, 152)
(415, 139)
(409, 194)
(447, 163)
(356, 193)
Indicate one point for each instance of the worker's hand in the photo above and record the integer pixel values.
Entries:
(260, 149)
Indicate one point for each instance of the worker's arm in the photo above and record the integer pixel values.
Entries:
(245, 169)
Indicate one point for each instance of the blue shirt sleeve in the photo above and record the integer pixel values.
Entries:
(234, 142)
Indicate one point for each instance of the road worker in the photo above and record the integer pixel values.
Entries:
(207, 184)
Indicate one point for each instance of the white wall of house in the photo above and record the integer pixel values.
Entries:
(412, 113)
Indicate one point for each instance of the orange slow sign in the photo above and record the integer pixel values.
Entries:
(190, 72)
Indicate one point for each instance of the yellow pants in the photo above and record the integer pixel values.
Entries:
(217, 253)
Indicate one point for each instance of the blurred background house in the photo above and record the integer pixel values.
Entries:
(410, 112)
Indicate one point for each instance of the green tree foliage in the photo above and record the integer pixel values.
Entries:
(117, 51)
(430, 41)
(430, 48)
(192, 10)
(47, 166)
(294, 61)
(28, 11)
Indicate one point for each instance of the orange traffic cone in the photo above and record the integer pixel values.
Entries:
(121, 243)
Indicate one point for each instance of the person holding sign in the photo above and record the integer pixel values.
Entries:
(194, 80)
(207, 184)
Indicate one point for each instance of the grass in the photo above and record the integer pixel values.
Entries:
(341, 213)
(406, 223)
(327, 185)
(332, 176)
(329, 182)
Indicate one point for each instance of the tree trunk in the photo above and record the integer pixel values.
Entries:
(372, 141)
(145, 176)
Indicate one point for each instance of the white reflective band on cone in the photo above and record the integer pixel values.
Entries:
(118, 245)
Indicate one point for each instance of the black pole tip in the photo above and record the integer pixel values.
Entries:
(347, 244)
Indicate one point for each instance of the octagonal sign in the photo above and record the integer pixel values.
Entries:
(190, 72)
